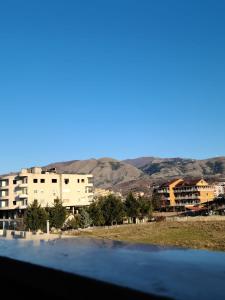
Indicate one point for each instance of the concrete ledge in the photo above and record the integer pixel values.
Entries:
(30, 236)
(28, 281)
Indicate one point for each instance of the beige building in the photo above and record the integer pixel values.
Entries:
(18, 190)
(105, 193)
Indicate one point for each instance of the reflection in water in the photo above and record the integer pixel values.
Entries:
(154, 269)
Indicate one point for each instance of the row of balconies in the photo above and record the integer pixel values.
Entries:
(193, 189)
(162, 191)
(4, 204)
(187, 203)
(22, 185)
(187, 197)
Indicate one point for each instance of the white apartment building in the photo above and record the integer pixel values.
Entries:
(18, 190)
(219, 188)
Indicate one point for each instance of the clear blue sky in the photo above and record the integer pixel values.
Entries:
(115, 78)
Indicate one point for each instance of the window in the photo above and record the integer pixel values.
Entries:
(88, 189)
(66, 181)
(4, 183)
(35, 181)
(90, 179)
(4, 203)
(14, 202)
(14, 181)
(42, 180)
(78, 180)
(54, 180)
(4, 193)
(82, 180)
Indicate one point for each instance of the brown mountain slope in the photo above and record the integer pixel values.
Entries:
(125, 176)
(107, 171)
(164, 168)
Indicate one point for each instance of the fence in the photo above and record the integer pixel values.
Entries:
(12, 224)
(197, 218)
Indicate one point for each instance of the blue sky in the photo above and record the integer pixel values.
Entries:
(116, 78)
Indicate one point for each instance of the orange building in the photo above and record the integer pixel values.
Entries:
(185, 193)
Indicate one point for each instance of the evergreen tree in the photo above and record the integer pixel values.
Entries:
(85, 220)
(145, 207)
(132, 206)
(156, 201)
(57, 214)
(113, 210)
(96, 212)
(35, 217)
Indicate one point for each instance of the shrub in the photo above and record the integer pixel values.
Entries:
(160, 218)
(73, 223)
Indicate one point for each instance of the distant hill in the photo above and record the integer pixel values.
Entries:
(164, 168)
(140, 173)
(107, 171)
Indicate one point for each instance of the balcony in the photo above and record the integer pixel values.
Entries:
(193, 189)
(5, 197)
(184, 190)
(163, 191)
(23, 185)
(4, 185)
(23, 196)
(187, 203)
(165, 199)
(188, 197)
(22, 206)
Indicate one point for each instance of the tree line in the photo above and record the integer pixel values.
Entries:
(105, 211)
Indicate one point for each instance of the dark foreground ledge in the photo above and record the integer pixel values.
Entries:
(28, 280)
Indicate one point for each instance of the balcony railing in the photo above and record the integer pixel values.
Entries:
(188, 197)
(161, 191)
(187, 203)
(3, 197)
(22, 196)
(23, 185)
(193, 189)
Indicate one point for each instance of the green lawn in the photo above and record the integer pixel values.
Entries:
(198, 234)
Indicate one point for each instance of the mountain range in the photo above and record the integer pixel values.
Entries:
(141, 172)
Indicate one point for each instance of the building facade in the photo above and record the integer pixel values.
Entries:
(219, 189)
(18, 190)
(181, 193)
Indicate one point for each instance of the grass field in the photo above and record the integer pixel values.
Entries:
(199, 234)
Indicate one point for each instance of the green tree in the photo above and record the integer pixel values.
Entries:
(156, 201)
(96, 212)
(132, 206)
(113, 210)
(35, 217)
(57, 214)
(85, 220)
(145, 207)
